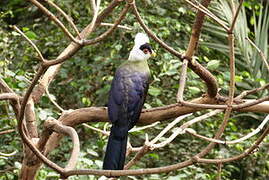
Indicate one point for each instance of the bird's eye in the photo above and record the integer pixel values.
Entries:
(146, 51)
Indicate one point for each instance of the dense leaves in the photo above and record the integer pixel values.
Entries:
(84, 80)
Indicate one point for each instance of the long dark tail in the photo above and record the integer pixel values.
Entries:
(116, 149)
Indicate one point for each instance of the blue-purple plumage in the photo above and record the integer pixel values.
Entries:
(126, 98)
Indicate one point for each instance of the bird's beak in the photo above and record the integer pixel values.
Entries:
(153, 54)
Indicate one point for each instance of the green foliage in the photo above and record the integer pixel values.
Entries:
(84, 80)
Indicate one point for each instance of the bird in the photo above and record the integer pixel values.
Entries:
(126, 99)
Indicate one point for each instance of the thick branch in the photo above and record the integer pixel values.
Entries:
(58, 127)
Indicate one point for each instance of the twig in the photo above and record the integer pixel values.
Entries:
(182, 129)
(56, 20)
(7, 131)
(168, 127)
(31, 42)
(119, 26)
(95, 14)
(96, 129)
(240, 156)
(235, 16)
(248, 92)
(260, 52)
(200, 118)
(200, 7)
(110, 30)
(53, 101)
(143, 127)
(8, 154)
(257, 130)
(65, 16)
(93, 5)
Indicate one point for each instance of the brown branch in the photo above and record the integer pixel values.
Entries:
(9, 96)
(65, 16)
(30, 119)
(196, 30)
(58, 127)
(31, 42)
(235, 16)
(228, 111)
(7, 131)
(240, 156)
(260, 53)
(119, 26)
(248, 92)
(56, 20)
(203, 9)
(110, 30)
(14, 102)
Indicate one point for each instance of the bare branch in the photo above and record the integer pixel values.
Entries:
(56, 20)
(248, 92)
(53, 101)
(93, 5)
(65, 16)
(7, 131)
(240, 156)
(143, 127)
(9, 96)
(235, 16)
(62, 129)
(31, 42)
(119, 26)
(30, 119)
(110, 30)
(183, 128)
(260, 52)
(8, 154)
(61, 59)
(203, 9)
(167, 128)
(257, 130)
(96, 129)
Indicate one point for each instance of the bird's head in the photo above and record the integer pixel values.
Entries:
(141, 50)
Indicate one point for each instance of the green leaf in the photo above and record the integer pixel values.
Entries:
(154, 91)
(213, 64)
(31, 35)
(194, 90)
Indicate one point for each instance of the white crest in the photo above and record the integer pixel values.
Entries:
(140, 39)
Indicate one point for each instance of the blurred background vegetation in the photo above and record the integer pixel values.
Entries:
(84, 80)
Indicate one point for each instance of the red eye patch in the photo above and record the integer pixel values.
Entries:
(146, 51)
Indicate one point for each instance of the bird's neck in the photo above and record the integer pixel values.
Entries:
(138, 65)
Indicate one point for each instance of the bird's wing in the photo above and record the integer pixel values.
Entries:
(127, 96)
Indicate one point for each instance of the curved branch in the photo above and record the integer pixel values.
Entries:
(56, 20)
(9, 96)
(58, 127)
